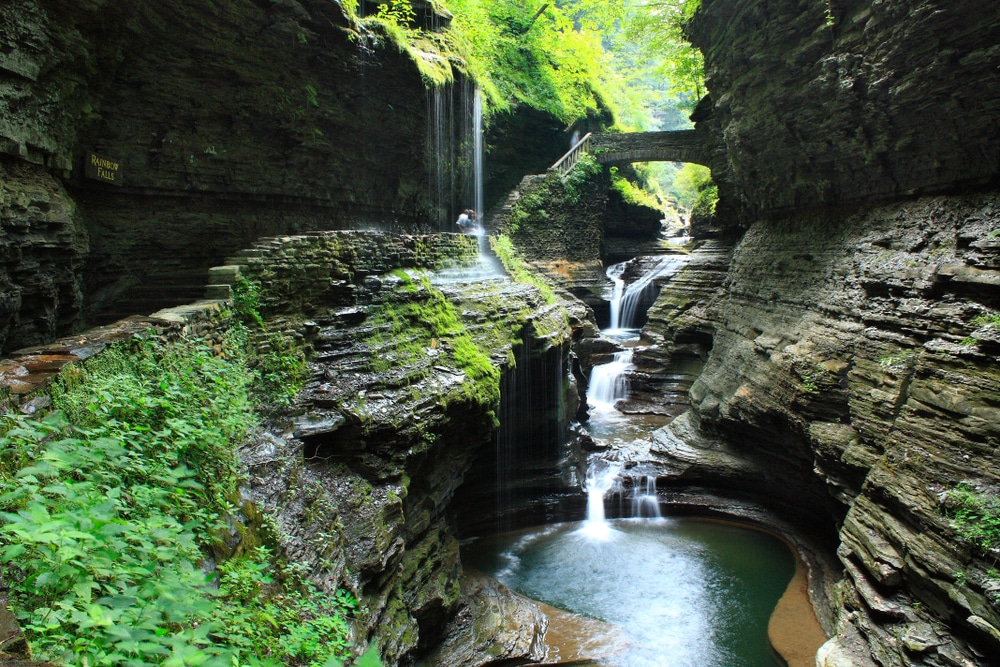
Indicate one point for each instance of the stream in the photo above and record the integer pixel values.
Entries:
(641, 590)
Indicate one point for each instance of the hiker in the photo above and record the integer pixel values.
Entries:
(466, 221)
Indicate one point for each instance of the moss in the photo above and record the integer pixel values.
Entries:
(514, 265)
(425, 320)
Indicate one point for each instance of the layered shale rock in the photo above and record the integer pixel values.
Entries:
(848, 100)
(861, 395)
(225, 123)
(848, 376)
(43, 246)
(407, 372)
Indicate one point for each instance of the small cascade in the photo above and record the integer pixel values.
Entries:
(645, 503)
(599, 481)
(626, 299)
(608, 384)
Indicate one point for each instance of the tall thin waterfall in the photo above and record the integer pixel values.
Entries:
(440, 152)
(477, 153)
(454, 147)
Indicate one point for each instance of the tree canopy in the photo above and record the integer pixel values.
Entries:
(570, 58)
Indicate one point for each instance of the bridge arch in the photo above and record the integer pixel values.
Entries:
(677, 146)
(627, 147)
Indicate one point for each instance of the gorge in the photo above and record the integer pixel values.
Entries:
(820, 359)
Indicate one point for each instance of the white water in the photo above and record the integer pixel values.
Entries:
(477, 155)
(645, 504)
(607, 383)
(597, 485)
(454, 152)
(614, 273)
(625, 299)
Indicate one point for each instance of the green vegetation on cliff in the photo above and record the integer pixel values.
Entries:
(572, 59)
(533, 53)
(114, 504)
(419, 325)
(514, 265)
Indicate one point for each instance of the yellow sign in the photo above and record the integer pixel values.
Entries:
(103, 169)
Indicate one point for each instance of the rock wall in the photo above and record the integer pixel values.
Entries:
(407, 372)
(844, 374)
(229, 122)
(826, 102)
(864, 390)
(568, 225)
(43, 247)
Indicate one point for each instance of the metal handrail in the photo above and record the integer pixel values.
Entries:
(568, 161)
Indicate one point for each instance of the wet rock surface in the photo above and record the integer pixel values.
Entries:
(229, 122)
(43, 248)
(494, 626)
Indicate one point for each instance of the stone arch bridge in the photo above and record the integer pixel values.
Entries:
(626, 147)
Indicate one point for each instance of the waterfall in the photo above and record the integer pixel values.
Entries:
(607, 383)
(599, 482)
(440, 153)
(627, 298)
(454, 146)
(645, 502)
(614, 274)
(477, 154)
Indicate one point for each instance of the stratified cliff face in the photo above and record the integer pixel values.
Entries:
(833, 101)
(852, 380)
(229, 122)
(408, 369)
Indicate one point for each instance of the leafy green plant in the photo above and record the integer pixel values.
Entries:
(632, 193)
(576, 181)
(101, 546)
(901, 358)
(987, 320)
(278, 365)
(398, 12)
(108, 504)
(246, 302)
(285, 619)
(975, 516)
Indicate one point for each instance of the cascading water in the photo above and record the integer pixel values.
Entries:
(668, 591)
(600, 480)
(645, 503)
(626, 299)
(607, 383)
(614, 274)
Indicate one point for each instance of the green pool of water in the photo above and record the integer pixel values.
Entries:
(679, 592)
